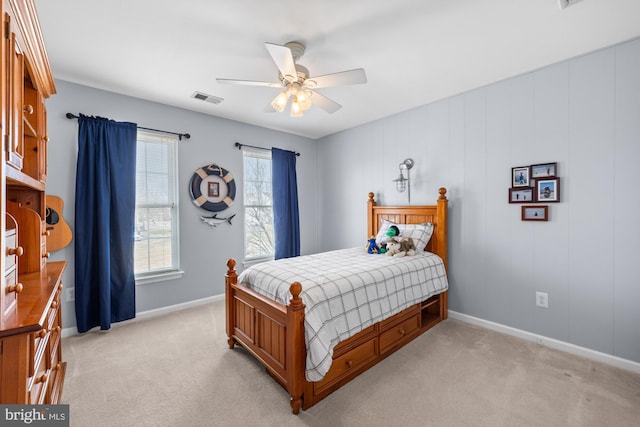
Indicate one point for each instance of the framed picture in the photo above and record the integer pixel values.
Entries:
(521, 195)
(520, 176)
(535, 213)
(214, 189)
(544, 170)
(548, 190)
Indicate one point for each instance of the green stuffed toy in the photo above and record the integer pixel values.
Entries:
(393, 231)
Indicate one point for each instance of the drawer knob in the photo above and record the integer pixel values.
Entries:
(46, 255)
(46, 233)
(54, 304)
(17, 288)
(402, 332)
(42, 378)
(15, 251)
(349, 363)
(28, 109)
(41, 333)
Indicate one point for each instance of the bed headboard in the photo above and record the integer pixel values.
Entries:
(436, 214)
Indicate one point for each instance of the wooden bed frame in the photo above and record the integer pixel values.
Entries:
(274, 333)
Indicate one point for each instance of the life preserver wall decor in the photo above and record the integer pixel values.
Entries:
(212, 188)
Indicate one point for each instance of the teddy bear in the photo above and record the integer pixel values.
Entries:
(397, 246)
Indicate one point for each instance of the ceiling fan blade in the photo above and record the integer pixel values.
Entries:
(248, 83)
(283, 58)
(325, 103)
(351, 77)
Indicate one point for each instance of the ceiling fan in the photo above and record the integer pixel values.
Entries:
(297, 85)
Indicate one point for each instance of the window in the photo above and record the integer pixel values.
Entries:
(258, 211)
(156, 231)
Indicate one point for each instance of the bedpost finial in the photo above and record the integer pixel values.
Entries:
(371, 196)
(442, 192)
(295, 290)
(231, 264)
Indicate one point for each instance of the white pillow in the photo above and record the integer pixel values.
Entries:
(420, 233)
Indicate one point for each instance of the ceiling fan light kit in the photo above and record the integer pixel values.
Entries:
(296, 84)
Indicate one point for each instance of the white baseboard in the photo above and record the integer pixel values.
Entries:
(608, 359)
(67, 332)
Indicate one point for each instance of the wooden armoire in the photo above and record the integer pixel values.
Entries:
(31, 366)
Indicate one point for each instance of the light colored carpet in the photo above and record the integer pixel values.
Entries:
(176, 370)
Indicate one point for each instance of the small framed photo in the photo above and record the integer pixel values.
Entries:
(548, 190)
(535, 213)
(214, 189)
(520, 176)
(521, 195)
(544, 170)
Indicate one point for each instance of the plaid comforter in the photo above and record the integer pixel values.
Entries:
(346, 291)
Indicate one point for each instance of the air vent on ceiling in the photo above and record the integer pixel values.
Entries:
(208, 98)
(566, 3)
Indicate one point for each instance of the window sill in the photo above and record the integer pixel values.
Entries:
(254, 261)
(159, 277)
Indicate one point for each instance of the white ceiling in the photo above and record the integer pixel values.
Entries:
(414, 51)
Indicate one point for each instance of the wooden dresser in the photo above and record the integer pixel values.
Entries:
(31, 366)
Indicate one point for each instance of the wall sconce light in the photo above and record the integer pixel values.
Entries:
(403, 182)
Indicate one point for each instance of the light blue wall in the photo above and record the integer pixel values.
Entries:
(583, 113)
(204, 250)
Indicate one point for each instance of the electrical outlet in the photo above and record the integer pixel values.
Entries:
(542, 299)
(70, 294)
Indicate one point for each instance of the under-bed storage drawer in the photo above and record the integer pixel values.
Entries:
(349, 361)
(400, 333)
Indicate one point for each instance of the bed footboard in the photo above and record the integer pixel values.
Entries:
(273, 333)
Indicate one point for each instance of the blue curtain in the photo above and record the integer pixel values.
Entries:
(104, 222)
(285, 204)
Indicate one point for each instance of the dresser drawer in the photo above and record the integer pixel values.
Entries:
(349, 361)
(38, 348)
(11, 245)
(38, 383)
(400, 333)
(10, 290)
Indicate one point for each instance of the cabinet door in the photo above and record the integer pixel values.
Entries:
(14, 63)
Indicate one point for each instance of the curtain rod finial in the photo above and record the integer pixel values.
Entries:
(71, 116)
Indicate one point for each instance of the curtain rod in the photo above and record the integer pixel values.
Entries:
(253, 146)
(179, 135)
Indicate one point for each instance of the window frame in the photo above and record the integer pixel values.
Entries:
(174, 271)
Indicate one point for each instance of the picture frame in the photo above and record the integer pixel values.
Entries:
(544, 170)
(535, 213)
(213, 189)
(520, 176)
(547, 190)
(521, 195)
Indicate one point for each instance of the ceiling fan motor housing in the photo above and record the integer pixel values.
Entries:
(296, 48)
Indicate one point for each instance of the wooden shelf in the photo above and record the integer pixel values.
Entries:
(20, 179)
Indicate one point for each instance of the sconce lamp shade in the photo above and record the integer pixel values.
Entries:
(401, 183)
